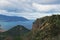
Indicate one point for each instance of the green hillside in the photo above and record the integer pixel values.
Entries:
(16, 33)
(46, 28)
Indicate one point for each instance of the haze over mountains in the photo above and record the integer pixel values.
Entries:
(8, 22)
(5, 18)
(16, 33)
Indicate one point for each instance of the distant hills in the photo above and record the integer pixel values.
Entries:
(8, 22)
(9, 25)
(16, 33)
(18, 30)
(5, 18)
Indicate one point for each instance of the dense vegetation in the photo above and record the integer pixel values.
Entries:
(16, 33)
(48, 28)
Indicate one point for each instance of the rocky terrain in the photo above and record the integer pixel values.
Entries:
(46, 28)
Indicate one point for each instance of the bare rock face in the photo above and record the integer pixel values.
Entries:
(46, 28)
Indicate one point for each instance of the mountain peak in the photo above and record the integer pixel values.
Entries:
(12, 18)
(18, 30)
(16, 33)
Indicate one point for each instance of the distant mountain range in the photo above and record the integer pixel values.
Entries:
(9, 25)
(8, 22)
(11, 18)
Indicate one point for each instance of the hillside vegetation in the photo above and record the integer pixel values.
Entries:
(46, 28)
(16, 33)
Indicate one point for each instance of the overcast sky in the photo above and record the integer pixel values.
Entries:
(30, 9)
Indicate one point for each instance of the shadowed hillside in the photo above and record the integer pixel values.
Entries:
(16, 33)
(46, 28)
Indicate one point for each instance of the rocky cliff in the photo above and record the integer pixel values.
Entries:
(46, 28)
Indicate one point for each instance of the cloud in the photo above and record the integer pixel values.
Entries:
(47, 1)
(29, 8)
(26, 14)
(16, 5)
(46, 8)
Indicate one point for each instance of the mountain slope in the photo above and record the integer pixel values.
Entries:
(17, 30)
(16, 33)
(5, 18)
(9, 25)
(46, 28)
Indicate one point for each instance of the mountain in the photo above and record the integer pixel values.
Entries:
(7, 22)
(46, 28)
(17, 30)
(5, 18)
(9, 25)
(16, 33)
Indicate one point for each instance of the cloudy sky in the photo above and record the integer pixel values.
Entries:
(30, 9)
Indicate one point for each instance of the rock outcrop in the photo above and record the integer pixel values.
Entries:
(46, 28)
